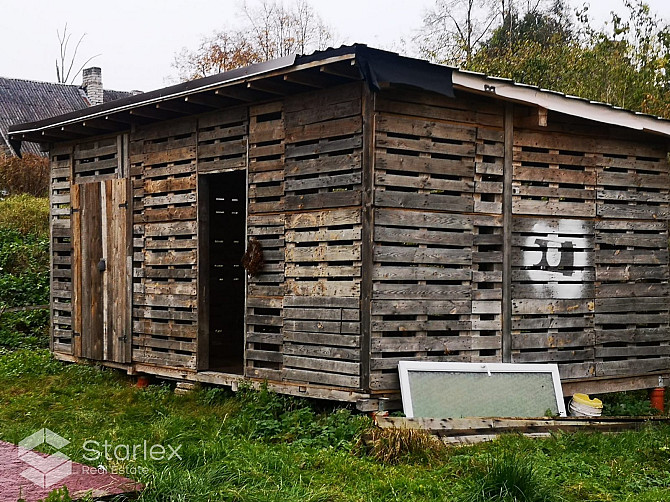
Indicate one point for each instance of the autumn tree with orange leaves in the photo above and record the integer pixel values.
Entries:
(270, 30)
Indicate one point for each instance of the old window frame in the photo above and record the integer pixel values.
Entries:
(405, 367)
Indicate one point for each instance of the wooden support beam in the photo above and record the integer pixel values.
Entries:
(120, 118)
(184, 108)
(203, 355)
(308, 79)
(367, 234)
(38, 137)
(153, 113)
(268, 86)
(104, 125)
(345, 69)
(60, 135)
(210, 100)
(242, 94)
(82, 130)
(507, 234)
(537, 118)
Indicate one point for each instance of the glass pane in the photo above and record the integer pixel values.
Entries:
(448, 394)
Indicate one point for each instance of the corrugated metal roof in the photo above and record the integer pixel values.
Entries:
(28, 101)
(563, 103)
(556, 93)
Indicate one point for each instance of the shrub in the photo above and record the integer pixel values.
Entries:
(24, 268)
(25, 214)
(24, 271)
(630, 403)
(24, 329)
(29, 175)
(271, 417)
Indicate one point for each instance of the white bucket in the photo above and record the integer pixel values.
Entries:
(583, 410)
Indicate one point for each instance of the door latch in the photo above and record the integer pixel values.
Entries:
(102, 266)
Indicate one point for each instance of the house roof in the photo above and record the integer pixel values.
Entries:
(256, 82)
(28, 101)
(320, 69)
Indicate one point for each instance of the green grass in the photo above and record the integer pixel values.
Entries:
(257, 446)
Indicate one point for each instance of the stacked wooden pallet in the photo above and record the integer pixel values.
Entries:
(437, 232)
(163, 165)
(322, 330)
(61, 249)
(631, 260)
(265, 293)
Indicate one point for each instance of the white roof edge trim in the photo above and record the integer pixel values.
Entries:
(557, 102)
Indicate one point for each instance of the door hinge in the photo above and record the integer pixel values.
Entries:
(74, 210)
(124, 205)
(102, 265)
(76, 334)
(123, 338)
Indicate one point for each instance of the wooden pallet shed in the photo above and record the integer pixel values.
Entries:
(404, 210)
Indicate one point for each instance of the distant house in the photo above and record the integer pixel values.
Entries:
(28, 100)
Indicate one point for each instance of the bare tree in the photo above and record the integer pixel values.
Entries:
(270, 30)
(280, 31)
(221, 51)
(453, 29)
(65, 62)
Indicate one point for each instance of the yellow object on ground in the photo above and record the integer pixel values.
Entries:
(586, 400)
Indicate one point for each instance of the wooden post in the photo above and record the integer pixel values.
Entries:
(507, 235)
(202, 357)
(367, 232)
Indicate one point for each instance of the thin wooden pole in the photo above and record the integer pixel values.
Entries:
(507, 235)
(367, 220)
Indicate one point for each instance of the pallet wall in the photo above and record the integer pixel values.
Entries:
(163, 174)
(61, 249)
(589, 237)
(590, 260)
(265, 222)
(632, 323)
(437, 276)
(323, 162)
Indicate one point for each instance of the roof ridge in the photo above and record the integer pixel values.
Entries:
(39, 81)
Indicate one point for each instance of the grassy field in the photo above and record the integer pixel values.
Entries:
(259, 446)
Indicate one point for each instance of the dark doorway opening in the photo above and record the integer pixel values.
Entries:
(223, 233)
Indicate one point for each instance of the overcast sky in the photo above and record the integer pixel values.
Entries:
(137, 39)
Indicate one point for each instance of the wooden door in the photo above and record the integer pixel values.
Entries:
(101, 235)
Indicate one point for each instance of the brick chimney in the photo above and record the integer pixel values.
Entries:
(92, 85)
